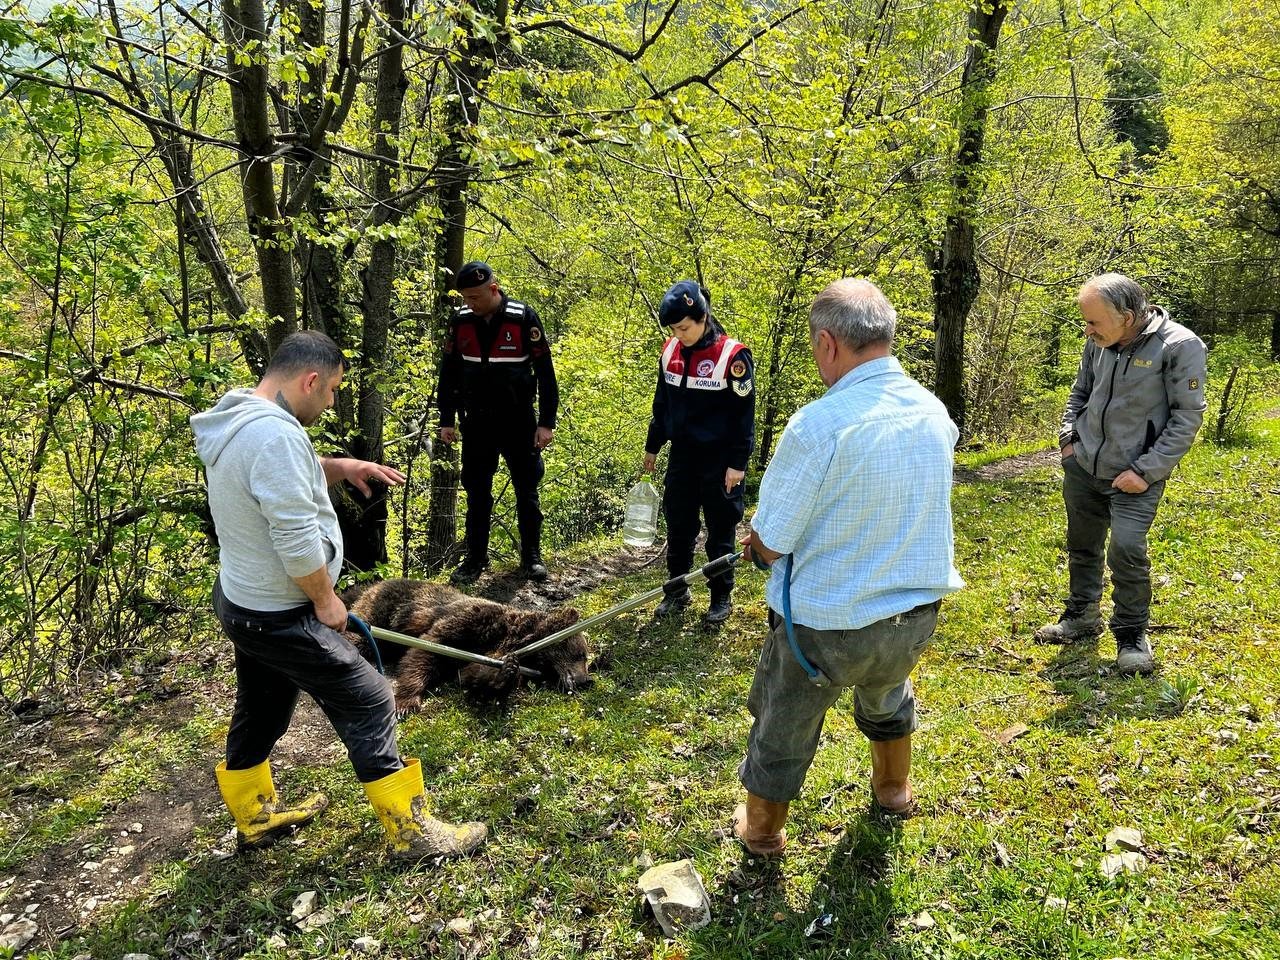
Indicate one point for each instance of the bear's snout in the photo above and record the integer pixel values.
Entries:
(576, 679)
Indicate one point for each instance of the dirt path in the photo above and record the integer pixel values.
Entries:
(1008, 468)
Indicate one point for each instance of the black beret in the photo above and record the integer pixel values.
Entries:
(473, 274)
(684, 299)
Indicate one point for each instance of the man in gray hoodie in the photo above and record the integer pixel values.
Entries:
(1133, 413)
(280, 555)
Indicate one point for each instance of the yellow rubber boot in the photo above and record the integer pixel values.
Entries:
(260, 819)
(412, 833)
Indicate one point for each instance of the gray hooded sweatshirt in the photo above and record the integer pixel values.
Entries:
(269, 500)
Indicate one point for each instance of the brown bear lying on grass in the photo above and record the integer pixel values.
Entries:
(444, 615)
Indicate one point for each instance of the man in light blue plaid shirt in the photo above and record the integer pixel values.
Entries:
(859, 495)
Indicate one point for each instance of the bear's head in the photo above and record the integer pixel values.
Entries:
(564, 663)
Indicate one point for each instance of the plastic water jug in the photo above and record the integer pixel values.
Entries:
(641, 523)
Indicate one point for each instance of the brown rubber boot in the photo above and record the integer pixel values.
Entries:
(758, 825)
(891, 776)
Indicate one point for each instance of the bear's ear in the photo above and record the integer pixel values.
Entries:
(559, 619)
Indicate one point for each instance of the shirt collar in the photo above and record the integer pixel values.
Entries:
(865, 371)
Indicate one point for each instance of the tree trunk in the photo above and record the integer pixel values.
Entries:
(954, 262)
(365, 518)
(245, 30)
(462, 112)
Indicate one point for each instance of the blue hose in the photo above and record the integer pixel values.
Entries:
(816, 676)
(362, 628)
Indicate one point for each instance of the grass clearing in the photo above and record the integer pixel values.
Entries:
(583, 792)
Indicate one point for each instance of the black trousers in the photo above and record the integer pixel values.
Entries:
(281, 653)
(484, 439)
(695, 483)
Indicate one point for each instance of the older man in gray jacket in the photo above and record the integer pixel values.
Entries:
(1133, 413)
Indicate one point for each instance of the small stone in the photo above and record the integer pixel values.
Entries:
(135, 828)
(315, 920)
(31, 908)
(1114, 864)
(277, 942)
(1001, 854)
(1228, 736)
(125, 850)
(136, 956)
(677, 895)
(1124, 838)
(18, 934)
(1055, 903)
(460, 927)
(304, 905)
(366, 945)
(922, 921)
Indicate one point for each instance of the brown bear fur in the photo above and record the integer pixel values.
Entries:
(447, 616)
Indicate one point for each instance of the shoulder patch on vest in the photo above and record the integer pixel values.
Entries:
(535, 334)
(742, 387)
(738, 370)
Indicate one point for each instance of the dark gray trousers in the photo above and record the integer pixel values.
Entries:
(1094, 507)
(281, 653)
(789, 710)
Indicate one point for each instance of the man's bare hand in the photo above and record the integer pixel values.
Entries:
(331, 611)
(754, 549)
(448, 434)
(542, 437)
(650, 461)
(732, 478)
(1068, 451)
(359, 472)
(1130, 482)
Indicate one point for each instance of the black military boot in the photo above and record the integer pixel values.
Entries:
(674, 601)
(468, 571)
(532, 567)
(1133, 652)
(721, 605)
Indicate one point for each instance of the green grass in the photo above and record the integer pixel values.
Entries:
(583, 792)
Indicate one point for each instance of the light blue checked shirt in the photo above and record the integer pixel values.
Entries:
(859, 491)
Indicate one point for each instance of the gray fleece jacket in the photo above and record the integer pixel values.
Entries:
(1139, 406)
(269, 500)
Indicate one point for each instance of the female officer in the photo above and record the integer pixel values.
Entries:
(705, 405)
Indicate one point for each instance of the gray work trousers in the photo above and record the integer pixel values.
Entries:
(1093, 508)
(789, 709)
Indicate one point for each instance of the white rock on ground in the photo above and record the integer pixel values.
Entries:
(18, 934)
(1124, 838)
(677, 895)
(304, 905)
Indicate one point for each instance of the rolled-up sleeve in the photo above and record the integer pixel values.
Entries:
(789, 491)
(280, 479)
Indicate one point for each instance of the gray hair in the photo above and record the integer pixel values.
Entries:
(1121, 293)
(855, 312)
